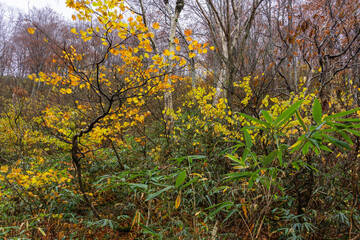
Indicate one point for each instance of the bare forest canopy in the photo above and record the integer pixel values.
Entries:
(203, 119)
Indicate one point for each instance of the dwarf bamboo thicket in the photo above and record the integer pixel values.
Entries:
(179, 119)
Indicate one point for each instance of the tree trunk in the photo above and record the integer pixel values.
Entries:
(168, 100)
(75, 155)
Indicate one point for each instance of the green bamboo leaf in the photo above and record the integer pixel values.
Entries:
(346, 137)
(305, 148)
(254, 178)
(280, 157)
(269, 158)
(238, 175)
(235, 159)
(230, 214)
(284, 116)
(267, 116)
(316, 111)
(219, 204)
(226, 205)
(154, 195)
(337, 142)
(232, 148)
(340, 125)
(197, 156)
(111, 224)
(295, 165)
(245, 154)
(315, 143)
(301, 121)
(341, 114)
(189, 182)
(138, 185)
(180, 179)
(145, 229)
(325, 148)
(248, 141)
(356, 133)
(265, 124)
(356, 120)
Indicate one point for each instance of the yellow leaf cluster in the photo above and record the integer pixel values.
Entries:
(31, 30)
(156, 25)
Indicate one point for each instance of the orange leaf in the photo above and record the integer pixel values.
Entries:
(187, 32)
(178, 201)
(136, 219)
(166, 52)
(191, 55)
(156, 25)
(244, 210)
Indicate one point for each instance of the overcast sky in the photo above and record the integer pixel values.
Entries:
(24, 5)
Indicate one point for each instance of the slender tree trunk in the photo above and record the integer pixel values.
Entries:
(293, 69)
(222, 81)
(168, 100)
(356, 76)
(75, 154)
(220, 86)
(193, 73)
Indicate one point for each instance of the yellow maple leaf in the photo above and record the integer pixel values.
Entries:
(182, 62)
(63, 179)
(187, 32)
(4, 168)
(166, 52)
(65, 91)
(176, 41)
(70, 3)
(139, 18)
(31, 30)
(87, 38)
(156, 25)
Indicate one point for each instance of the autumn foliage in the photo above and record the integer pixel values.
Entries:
(134, 121)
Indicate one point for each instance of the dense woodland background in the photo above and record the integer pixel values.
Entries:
(205, 119)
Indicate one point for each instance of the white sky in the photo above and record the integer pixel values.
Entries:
(24, 5)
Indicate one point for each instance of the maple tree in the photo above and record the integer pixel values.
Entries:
(104, 92)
